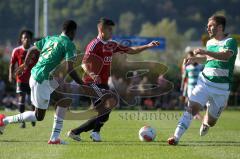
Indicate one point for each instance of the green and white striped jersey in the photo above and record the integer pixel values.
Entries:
(219, 71)
(191, 73)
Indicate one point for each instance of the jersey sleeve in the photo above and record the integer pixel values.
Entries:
(231, 45)
(70, 53)
(39, 44)
(91, 50)
(13, 57)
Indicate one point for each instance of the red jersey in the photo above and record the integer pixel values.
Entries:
(18, 56)
(98, 57)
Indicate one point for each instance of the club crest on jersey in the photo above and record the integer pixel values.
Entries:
(107, 59)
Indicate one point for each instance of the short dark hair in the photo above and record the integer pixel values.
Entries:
(106, 22)
(25, 31)
(219, 19)
(69, 25)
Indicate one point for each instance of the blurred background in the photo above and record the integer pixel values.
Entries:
(181, 25)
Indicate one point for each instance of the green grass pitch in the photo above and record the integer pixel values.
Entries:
(120, 139)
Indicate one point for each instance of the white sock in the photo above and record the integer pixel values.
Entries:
(28, 116)
(58, 123)
(183, 124)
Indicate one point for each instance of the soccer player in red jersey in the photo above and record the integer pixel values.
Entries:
(96, 64)
(22, 81)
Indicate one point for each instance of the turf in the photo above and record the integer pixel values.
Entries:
(120, 139)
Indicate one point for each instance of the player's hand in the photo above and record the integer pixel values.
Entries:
(10, 79)
(97, 79)
(154, 43)
(19, 71)
(188, 61)
(199, 52)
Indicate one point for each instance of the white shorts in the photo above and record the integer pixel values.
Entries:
(189, 92)
(40, 93)
(214, 98)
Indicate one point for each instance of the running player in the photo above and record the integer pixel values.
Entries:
(53, 49)
(102, 48)
(214, 82)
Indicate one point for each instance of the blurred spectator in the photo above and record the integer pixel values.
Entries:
(162, 101)
(9, 102)
(112, 82)
(189, 79)
(2, 89)
(145, 102)
(135, 79)
(190, 75)
(121, 88)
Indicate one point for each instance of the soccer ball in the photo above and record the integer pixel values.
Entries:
(147, 133)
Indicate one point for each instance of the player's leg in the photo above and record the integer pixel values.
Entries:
(189, 92)
(184, 122)
(40, 96)
(95, 134)
(27, 89)
(61, 108)
(21, 94)
(100, 121)
(197, 100)
(103, 106)
(92, 124)
(33, 109)
(215, 106)
(27, 116)
(85, 127)
(21, 105)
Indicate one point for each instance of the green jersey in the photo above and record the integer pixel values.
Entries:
(54, 49)
(220, 71)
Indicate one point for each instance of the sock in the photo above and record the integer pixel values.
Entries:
(26, 116)
(183, 124)
(58, 123)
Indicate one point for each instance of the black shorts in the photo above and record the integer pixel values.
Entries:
(101, 86)
(23, 88)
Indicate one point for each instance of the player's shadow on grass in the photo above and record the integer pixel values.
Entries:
(22, 141)
(116, 143)
(161, 143)
(122, 143)
(209, 143)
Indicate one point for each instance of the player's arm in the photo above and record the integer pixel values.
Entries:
(11, 72)
(87, 69)
(196, 59)
(138, 49)
(11, 67)
(73, 74)
(224, 55)
(28, 60)
(184, 77)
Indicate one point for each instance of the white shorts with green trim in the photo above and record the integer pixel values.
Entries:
(214, 98)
